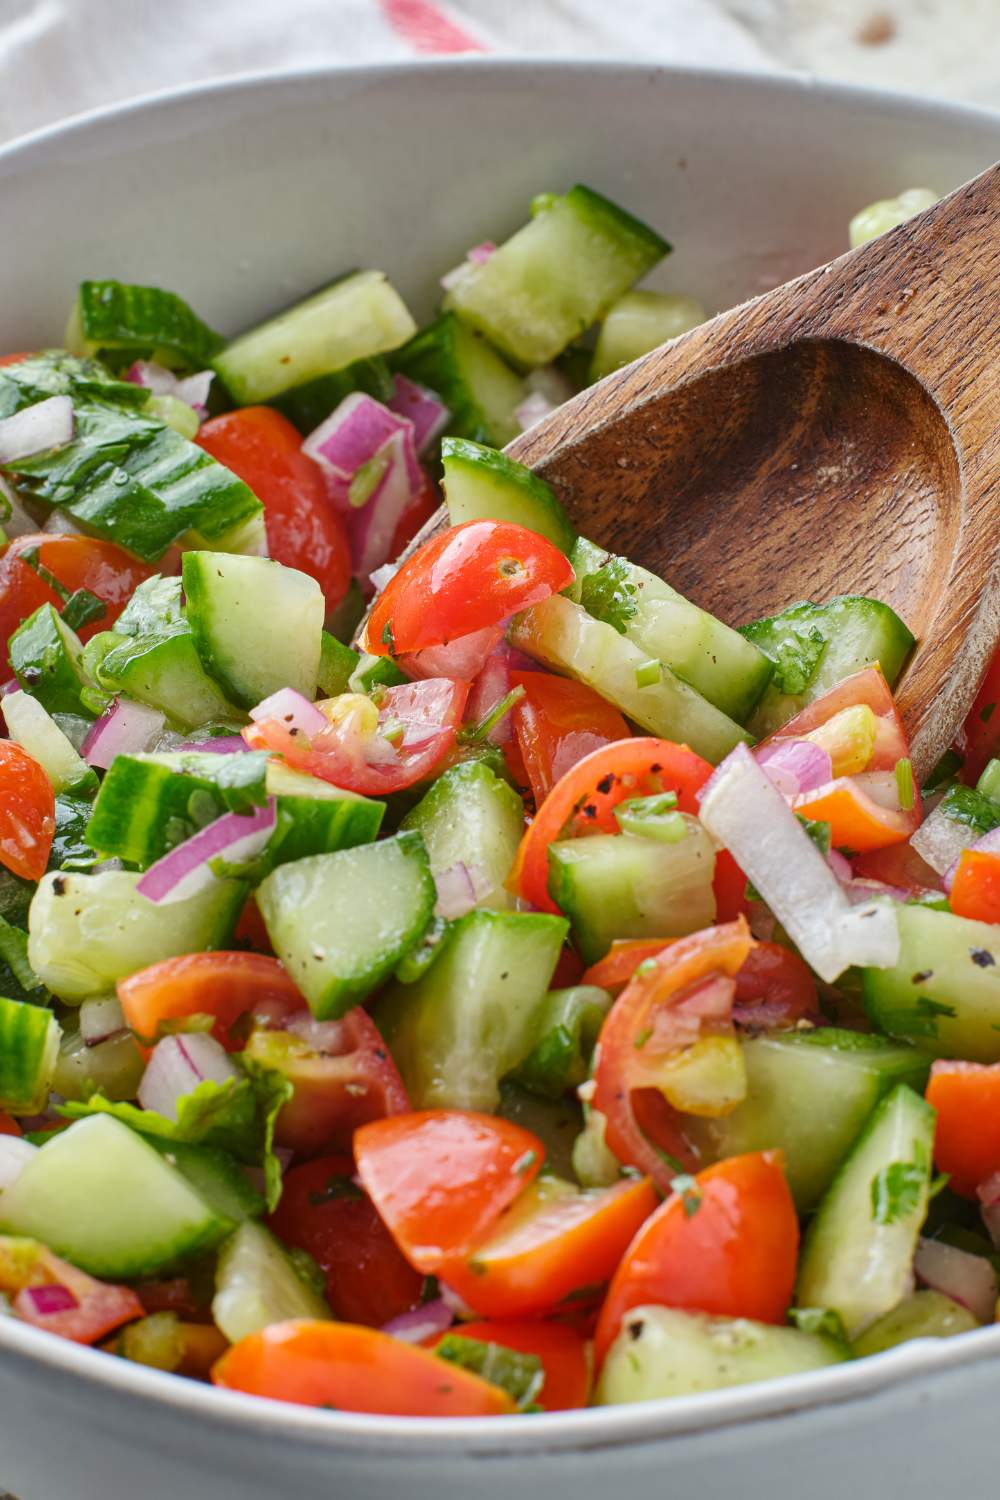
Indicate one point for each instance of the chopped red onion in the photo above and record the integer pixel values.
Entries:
(101, 1019)
(46, 1300)
(463, 658)
(293, 709)
(795, 766)
(967, 1279)
(124, 728)
(177, 1065)
(36, 429)
(371, 527)
(478, 255)
(219, 744)
(186, 871)
(840, 865)
(987, 843)
(194, 389)
(420, 406)
(357, 433)
(988, 1193)
(460, 888)
(15, 1154)
(421, 1322)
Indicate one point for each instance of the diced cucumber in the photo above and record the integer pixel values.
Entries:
(141, 320)
(356, 318)
(45, 655)
(562, 635)
(621, 886)
(163, 670)
(29, 1047)
(114, 1067)
(314, 817)
(308, 405)
(858, 1253)
(471, 817)
(38, 733)
(341, 922)
(925, 1315)
(257, 1284)
(724, 667)
(216, 1177)
(457, 1031)
(336, 663)
(85, 932)
(809, 1093)
(564, 1032)
(944, 991)
(662, 1352)
(248, 536)
(257, 624)
(479, 388)
(815, 646)
(555, 277)
(639, 322)
(555, 1119)
(99, 1195)
(344, 620)
(480, 482)
(372, 672)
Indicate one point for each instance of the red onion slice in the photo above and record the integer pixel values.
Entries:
(186, 872)
(420, 406)
(124, 728)
(988, 1193)
(293, 709)
(421, 1322)
(15, 1154)
(460, 888)
(463, 658)
(532, 409)
(967, 1279)
(46, 1300)
(193, 389)
(36, 429)
(795, 766)
(478, 255)
(177, 1066)
(371, 527)
(101, 1019)
(357, 433)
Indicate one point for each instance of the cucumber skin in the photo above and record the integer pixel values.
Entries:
(488, 484)
(45, 655)
(470, 814)
(29, 1047)
(439, 357)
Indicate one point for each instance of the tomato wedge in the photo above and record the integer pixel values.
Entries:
(78, 562)
(441, 1179)
(980, 736)
(727, 1244)
(966, 1096)
(27, 813)
(615, 969)
(675, 1000)
(562, 1352)
(52, 1295)
(557, 723)
(468, 577)
(416, 731)
(348, 1368)
(225, 986)
(975, 890)
(8, 1126)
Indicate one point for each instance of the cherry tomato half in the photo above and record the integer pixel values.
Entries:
(27, 813)
(557, 723)
(223, 985)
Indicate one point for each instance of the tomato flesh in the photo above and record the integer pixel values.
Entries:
(966, 1096)
(225, 986)
(557, 723)
(27, 813)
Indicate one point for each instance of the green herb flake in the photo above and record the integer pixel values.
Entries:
(388, 639)
(474, 734)
(520, 1375)
(524, 1163)
(896, 1191)
(825, 1321)
(648, 673)
(904, 783)
(81, 608)
(609, 594)
(687, 1189)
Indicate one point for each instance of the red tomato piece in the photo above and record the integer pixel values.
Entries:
(78, 562)
(980, 737)
(774, 987)
(615, 969)
(348, 1368)
(899, 865)
(226, 986)
(176, 1296)
(27, 813)
(8, 1126)
(727, 1246)
(441, 1179)
(584, 801)
(90, 1308)
(303, 530)
(966, 1096)
(417, 513)
(468, 577)
(14, 359)
(557, 723)
(423, 718)
(975, 891)
(562, 1352)
(322, 1211)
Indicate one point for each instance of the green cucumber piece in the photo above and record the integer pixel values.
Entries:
(616, 885)
(724, 667)
(858, 1253)
(555, 1120)
(662, 1352)
(257, 1284)
(45, 655)
(458, 1030)
(113, 1068)
(561, 635)
(925, 1315)
(372, 672)
(100, 1195)
(85, 932)
(257, 625)
(481, 391)
(470, 816)
(341, 922)
(639, 322)
(336, 663)
(356, 318)
(37, 732)
(564, 1032)
(809, 1094)
(306, 406)
(481, 483)
(314, 817)
(943, 993)
(29, 1048)
(215, 1176)
(815, 646)
(139, 320)
(165, 671)
(555, 277)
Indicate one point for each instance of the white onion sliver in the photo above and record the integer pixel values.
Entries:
(36, 429)
(100, 1019)
(460, 888)
(177, 1066)
(940, 840)
(967, 1279)
(292, 708)
(383, 575)
(15, 1155)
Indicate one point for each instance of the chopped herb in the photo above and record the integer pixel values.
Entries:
(904, 783)
(81, 608)
(966, 805)
(822, 1320)
(643, 1037)
(687, 1189)
(938, 1184)
(388, 639)
(647, 673)
(525, 1163)
(896, 1190)
(982, 958)
(474, 734)
(520, 1375)
(919, 1019)
(609, 594)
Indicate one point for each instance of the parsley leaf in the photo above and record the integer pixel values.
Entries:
(963, 804)
(688, 1191)
(896, 1190)
(609, 594)
(520, 1375)
(822, 1320)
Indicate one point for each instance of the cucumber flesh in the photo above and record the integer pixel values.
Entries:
(149, 1217)
(165, 671)
(341, 922)
(925, 1315)
(858, 1254)
(257, 1285)
(215, 1176)
(37, 732)
(257, 625)
(479, 482)
(45, 655)
(140, 320)
(481, 391)
(661, 1352)
(470, 816)
(639, 322)
(561, 635)
(29, 1049)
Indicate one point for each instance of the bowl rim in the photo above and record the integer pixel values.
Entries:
(594, 1427)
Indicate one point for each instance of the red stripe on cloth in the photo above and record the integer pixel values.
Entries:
(428, 29)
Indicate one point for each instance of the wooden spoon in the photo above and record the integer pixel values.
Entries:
(838, 435)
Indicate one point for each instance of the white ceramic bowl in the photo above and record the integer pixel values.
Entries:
(243, 196)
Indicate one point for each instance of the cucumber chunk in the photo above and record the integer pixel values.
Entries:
(724, 667)
(99, 1195)
(622, 886)
(479, 388)
(141, 320)
(314, 817)
(215, 1176)
(37, 732)
(306, 406)
(470, 816)
(858, 1253)
(555, 277)
(815, 646)
(561, 635)
(29, 1050)
(163, 670)
(809, 1093)
(336, 663)
(341, 922)
(45, 655)
(925, 1315)
(257, 1284)
(257, 625)
(479, 482)
(458, 1030)
(564, 1033)
(944, 991)
(639, 322)
(85, 932)
(661, 1352)
(355, 318)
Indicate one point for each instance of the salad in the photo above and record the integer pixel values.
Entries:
(558, 997)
